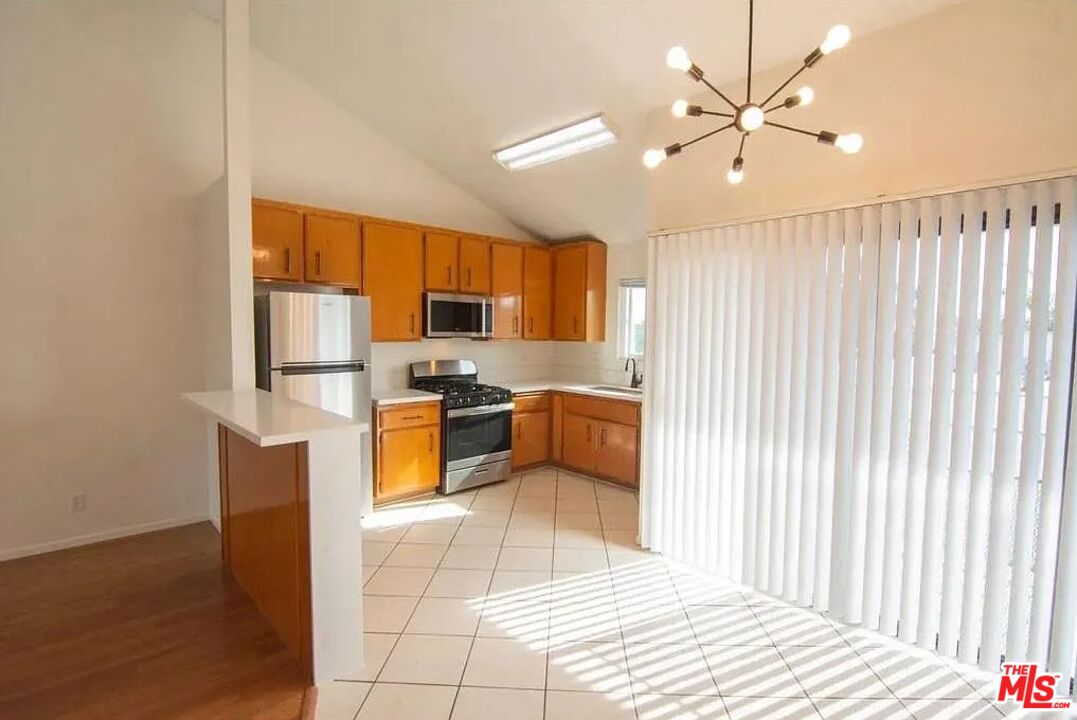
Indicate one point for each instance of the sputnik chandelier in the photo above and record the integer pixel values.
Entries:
(750, 116)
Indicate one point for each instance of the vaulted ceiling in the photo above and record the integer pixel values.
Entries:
(453, 80)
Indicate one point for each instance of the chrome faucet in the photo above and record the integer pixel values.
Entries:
(637, 376)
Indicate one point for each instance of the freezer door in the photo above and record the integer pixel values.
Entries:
(317, 328)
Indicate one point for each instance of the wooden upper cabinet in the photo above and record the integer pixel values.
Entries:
(507, 285)
(441, 253)
(393, 279)
(277, 240)
(331, 253)
(579, 298)
(537, 300)
(474, 265)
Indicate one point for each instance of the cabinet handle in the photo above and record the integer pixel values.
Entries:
(448, 273)
(287, 260)
(602, 436)
(412, 417)
(531, 324)
(430, 441)
(469, 277)
(588, 432)
(411, 323)
(317, 262)
(575, 324)
(515, 324)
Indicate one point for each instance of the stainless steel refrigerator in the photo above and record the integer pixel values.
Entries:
(315, 348)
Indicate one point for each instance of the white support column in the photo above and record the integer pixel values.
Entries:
(237, 171)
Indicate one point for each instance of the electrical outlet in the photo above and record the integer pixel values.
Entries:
(78, 502)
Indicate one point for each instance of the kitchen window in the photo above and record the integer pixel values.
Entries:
(631, 317)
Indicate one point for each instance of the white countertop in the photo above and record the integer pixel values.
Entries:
(406, 395)
(268, 419)
(572, 387)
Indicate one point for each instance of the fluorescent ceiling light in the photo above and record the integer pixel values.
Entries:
(594, 132)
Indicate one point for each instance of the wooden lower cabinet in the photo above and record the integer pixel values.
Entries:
(617, 456)
(597, 436)
(530, 439)
(408, 455)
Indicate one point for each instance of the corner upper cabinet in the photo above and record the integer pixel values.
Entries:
(507, 286)
(538, 285)
(441, 255)
(474, 265)
(393, 279)
(579, 297)
(331, 249)
(277, 241)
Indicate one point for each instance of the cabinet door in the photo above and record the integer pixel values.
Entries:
(578, 442)
(617, 452)
(474, 265)
(506, 282)
(530, 438)
(440, 264)
(277, 239)
(570, 291)
(331, 253)
(393, 278)
(408, 460)
(538, 277)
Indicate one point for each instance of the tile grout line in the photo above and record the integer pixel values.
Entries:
(489, 584)
(549, 615)
(778, 649)
(706, 662)
(617, 608)
(413, 610)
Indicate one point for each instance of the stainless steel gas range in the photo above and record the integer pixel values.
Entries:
(476, 423)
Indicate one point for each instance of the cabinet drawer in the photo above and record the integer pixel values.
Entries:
(531, 402)
(410, 415)
(624, 412)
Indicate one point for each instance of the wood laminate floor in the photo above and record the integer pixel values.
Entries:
(143, 627)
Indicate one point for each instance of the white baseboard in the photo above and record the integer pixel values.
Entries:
(41, 548)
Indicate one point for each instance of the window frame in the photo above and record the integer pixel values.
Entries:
(625, 286)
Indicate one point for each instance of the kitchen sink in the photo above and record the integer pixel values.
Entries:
(617, 389)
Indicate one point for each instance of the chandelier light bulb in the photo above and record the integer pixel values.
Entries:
(735, 176)
(680, 108)
(806, 95)
(850, 143)
(653, 158)
(750, 118)
(836, 38)
(677, 59)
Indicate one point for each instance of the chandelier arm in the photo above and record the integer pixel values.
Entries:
(772, 108)
(716, 114)
(751, 14)
(785, 84)
(704, 136)
(802, 131)
(719, 93)
(740, 150)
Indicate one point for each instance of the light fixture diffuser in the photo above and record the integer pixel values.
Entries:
(593, 132)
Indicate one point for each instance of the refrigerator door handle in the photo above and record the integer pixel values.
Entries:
(324, 368)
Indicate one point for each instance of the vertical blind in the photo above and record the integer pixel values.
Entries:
(868, 412)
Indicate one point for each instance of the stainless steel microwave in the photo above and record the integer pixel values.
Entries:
(455, 315)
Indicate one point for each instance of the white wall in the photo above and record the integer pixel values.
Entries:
(978, 92)
(110, 130)
(112, 136)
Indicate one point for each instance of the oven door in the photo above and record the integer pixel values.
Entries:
(478, 435)
(454, 315)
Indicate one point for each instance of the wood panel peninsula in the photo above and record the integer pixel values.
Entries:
(290, 533)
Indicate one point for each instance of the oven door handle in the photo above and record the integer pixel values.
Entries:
(481, 410)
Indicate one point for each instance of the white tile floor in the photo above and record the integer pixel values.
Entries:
(531, 600)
